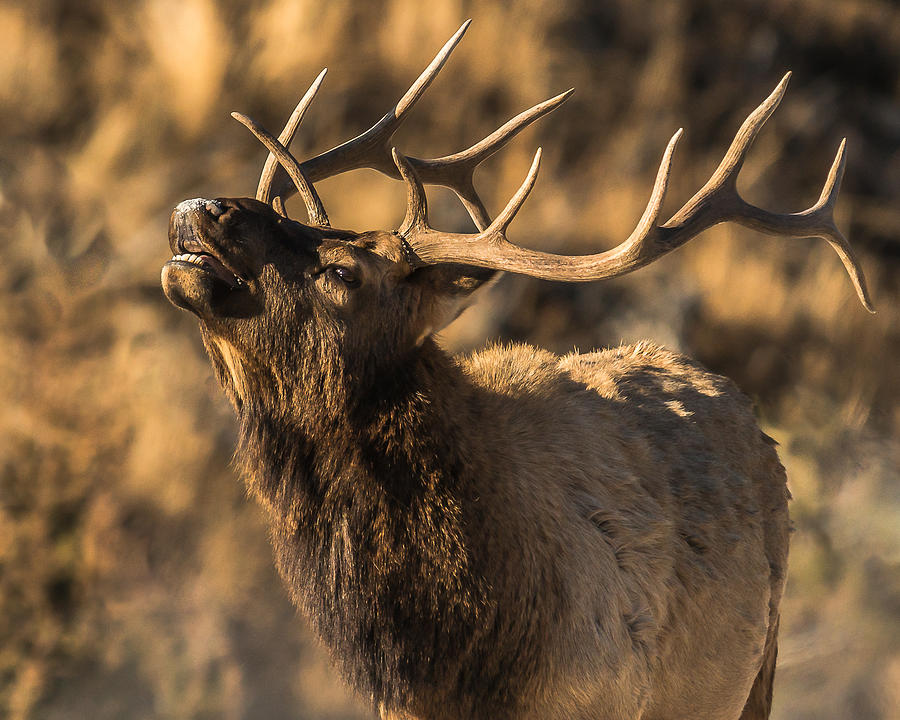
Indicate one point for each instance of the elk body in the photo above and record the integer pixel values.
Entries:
(510, 534)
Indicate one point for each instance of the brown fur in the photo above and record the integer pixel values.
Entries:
(505, 535)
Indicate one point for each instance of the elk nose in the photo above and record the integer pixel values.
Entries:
(198, 205)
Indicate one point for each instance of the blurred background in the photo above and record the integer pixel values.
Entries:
(136, 580)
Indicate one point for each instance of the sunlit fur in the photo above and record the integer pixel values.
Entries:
(509, 534)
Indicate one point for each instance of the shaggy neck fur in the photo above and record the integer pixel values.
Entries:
(372, 491)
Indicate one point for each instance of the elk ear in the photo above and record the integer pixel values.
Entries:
(445, 291)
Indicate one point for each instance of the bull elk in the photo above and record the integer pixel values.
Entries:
(508, 534)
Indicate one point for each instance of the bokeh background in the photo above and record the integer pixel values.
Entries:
(136, 579)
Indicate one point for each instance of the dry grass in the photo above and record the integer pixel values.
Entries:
(135, 579)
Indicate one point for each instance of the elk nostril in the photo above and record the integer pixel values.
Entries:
(214, 208)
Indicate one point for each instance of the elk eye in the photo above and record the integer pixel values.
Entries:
(345, 275)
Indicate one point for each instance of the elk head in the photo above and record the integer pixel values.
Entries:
(269, 290)
(264, 285)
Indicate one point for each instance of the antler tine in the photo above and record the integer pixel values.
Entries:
(496, 232)
(717, 201)
(416, 219)
(271, 167)
(649, 219)
(734, 157)
(314, 207)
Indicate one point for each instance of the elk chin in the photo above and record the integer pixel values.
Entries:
(204, 293)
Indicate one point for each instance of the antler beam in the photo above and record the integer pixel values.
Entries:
(716, 202)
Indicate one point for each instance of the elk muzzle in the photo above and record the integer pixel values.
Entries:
(200, 276)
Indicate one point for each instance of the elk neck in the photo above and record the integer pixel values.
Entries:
(368, 483)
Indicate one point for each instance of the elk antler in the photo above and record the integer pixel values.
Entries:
(372, 149)
(717, 201)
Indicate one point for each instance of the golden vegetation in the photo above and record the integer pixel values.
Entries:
(135, 578)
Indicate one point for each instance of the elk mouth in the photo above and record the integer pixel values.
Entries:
(209, 263)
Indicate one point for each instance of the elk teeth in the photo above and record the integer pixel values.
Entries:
(189, 257)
